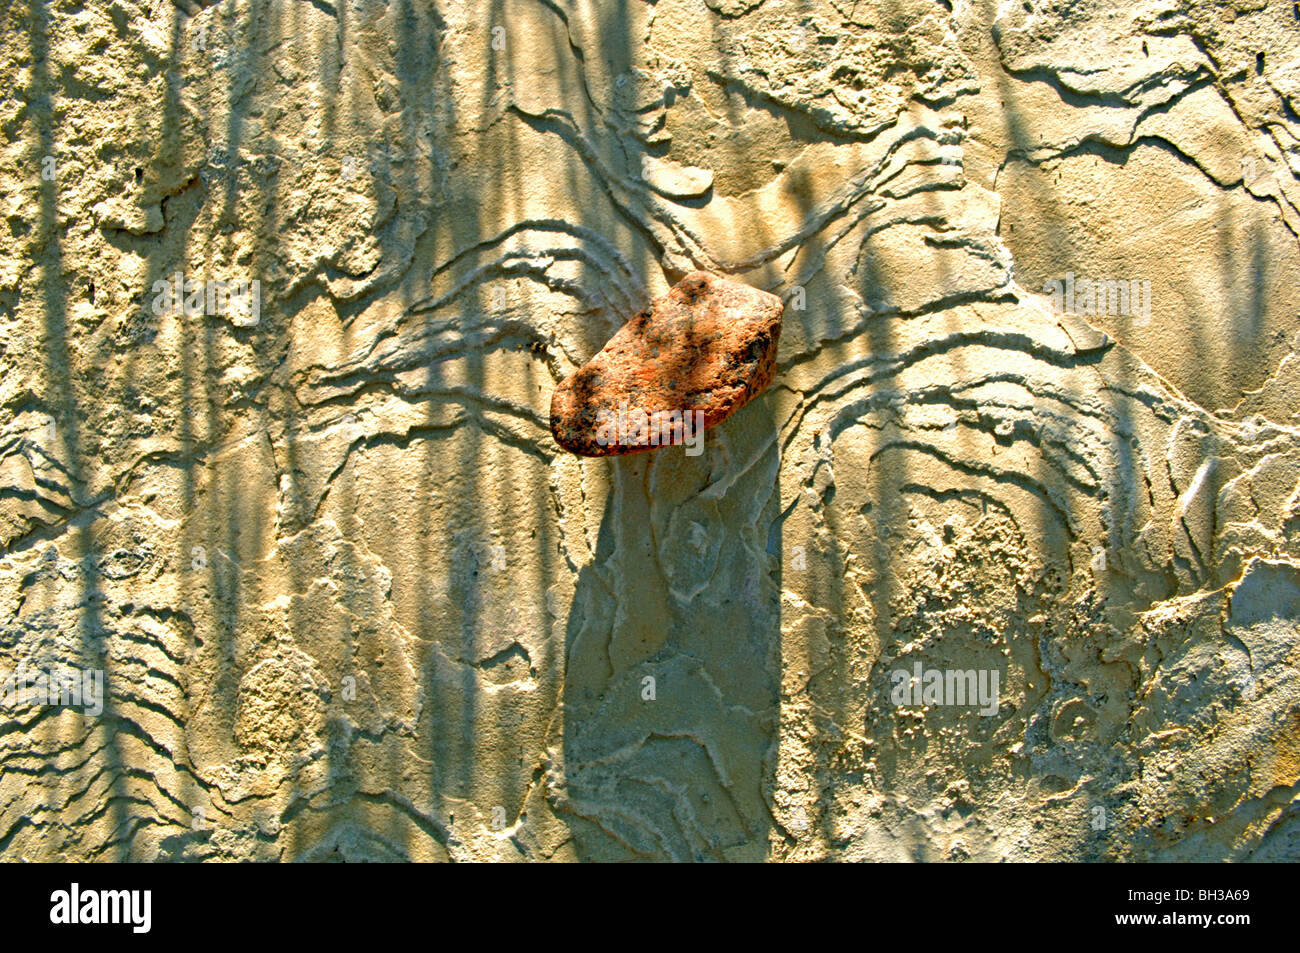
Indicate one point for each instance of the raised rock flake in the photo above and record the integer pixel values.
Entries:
(695, 357)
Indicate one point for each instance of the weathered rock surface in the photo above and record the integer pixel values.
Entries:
(708, 347)
(352, 601)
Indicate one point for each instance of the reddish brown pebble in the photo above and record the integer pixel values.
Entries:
(708, 347)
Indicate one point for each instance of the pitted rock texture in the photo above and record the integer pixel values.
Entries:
(350, 599)
(707, 347)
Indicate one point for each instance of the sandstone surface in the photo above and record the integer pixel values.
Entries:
(350, 600)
